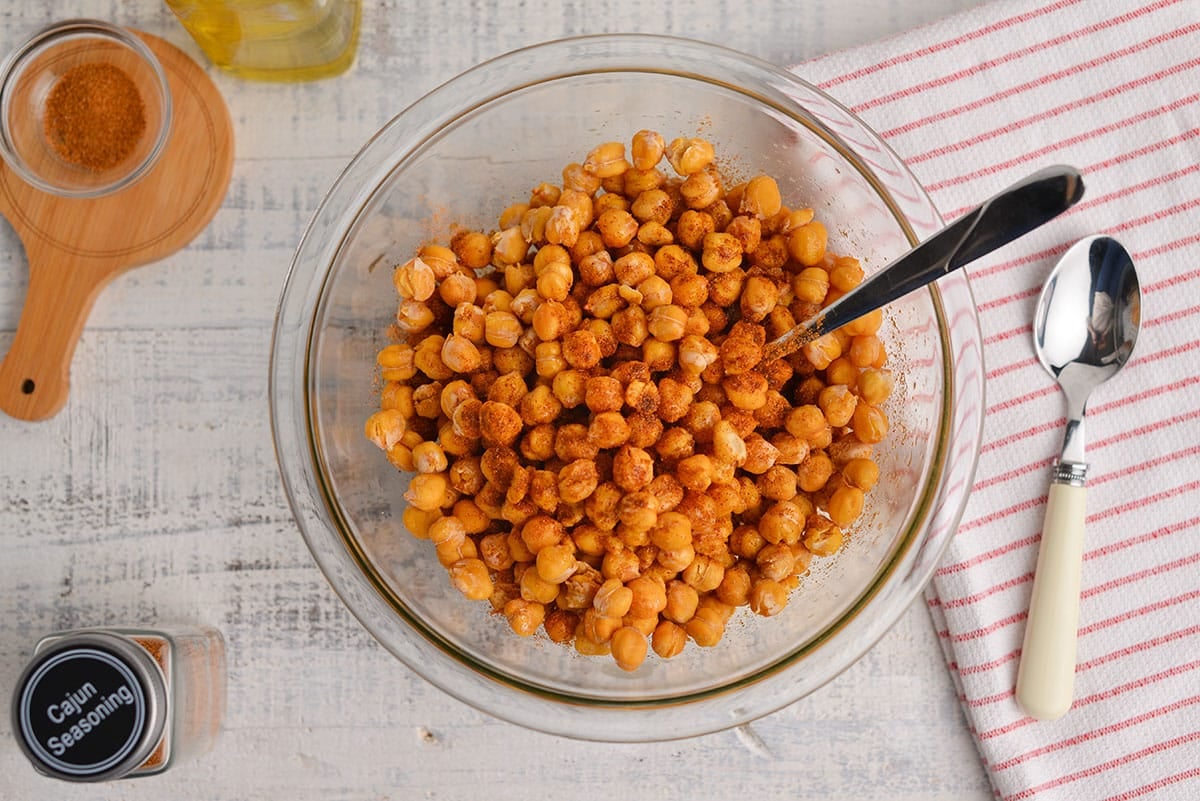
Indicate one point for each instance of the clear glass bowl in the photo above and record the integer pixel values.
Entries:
(28, 77)
(463, 153)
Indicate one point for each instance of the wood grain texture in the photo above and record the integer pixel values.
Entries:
(76, 246)
(154, 495)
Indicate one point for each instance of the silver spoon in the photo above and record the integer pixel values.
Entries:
(1083, 332)
(1014, 212)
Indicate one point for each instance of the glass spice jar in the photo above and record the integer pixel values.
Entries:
(111, 703)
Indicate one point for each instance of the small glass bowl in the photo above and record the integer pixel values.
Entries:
(29, 75)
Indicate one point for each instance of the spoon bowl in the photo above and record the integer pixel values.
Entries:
(1084, 331)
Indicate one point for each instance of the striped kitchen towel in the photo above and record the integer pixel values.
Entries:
(972, 103)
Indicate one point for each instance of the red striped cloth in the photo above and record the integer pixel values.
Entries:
(973, 103)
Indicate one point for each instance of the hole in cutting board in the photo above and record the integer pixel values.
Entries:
(27, 386)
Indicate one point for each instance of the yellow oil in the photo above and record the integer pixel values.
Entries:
(274, 40)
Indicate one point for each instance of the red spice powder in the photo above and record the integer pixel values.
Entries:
(94, 116)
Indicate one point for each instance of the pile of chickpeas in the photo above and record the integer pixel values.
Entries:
(600, 450)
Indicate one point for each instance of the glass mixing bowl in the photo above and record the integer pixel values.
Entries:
(461, 155)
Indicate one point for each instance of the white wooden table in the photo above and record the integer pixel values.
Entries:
(154, 495)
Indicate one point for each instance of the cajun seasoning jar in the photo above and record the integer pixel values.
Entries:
(101, 704)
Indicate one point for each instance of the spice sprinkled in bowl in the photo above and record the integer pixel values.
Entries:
(85, 109)
(94, 116)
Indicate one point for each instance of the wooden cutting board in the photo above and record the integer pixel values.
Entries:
(75, 246)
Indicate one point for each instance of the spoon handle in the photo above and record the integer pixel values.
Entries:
(1046, 676)
(1014, 212)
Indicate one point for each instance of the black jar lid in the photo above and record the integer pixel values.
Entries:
(90, 707)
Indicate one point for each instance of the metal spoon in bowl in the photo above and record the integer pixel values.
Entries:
(1014, 212)
(1083, 332)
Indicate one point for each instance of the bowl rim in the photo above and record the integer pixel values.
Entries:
(55, 34)
(925, 563)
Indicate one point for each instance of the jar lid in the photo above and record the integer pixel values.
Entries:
(90, 707)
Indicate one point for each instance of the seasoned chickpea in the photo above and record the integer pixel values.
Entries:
(734, 588)
(617, 227)
(875, 386)
(846, 274)
(822, 537)
(396, 363)
(418, 521)
(556, 563)
(778, 483)
(747, 230)
(704, 573)
(447, 553)
(622, 565)
(537, 589)
(647, 149)
(842, 371)
(689, 155)
(548, 359)
(845, 505)
(760, 197)
(782, 522)
(653, 205)
(606, 160)
(560, 625)
(576, 178)
(870, 423)
(385, 428)
(649, 596)
(837, 402)
(776, 561)
(414, 280)
(428, 457)
(700, 190)
(695, 472)
(524, 616)
(767, 597)
(635, 181)
(581, 350)
(471, 578)
(861, 473)
(597, 627)
(722, 252)
(633, 468)
(806, 244)
(541, 532)
(628, 648)
(460, 355)
(706, 628)
(473, 249)
(758, 298)
(613, 599)
(667, 323)
(654, 234)
(669, 639)
(811, 285)
(814, 471)
(866, 351)
(682, 600)
(588, 647)
(578, 480)
(427, 490)
(746, 390)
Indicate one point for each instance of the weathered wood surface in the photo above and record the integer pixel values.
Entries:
(154, 495)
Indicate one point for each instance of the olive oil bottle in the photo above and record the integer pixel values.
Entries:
(274, 40)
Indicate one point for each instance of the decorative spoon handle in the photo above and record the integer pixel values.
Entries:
(1014, 212)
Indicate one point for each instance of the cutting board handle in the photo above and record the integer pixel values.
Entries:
(35, 374)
